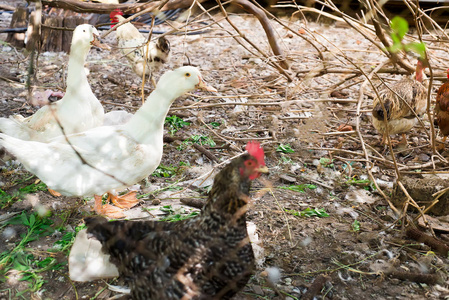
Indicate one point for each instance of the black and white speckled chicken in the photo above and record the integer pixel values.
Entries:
(403, 101)
(205, 257)
(134, 46)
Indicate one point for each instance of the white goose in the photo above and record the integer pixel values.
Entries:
(108, 158)
(77, 111)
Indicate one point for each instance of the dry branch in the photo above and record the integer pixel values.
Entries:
(436, 245)
(271, 35)
(100, 8)
(394, 57)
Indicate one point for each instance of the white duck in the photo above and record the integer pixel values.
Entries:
(108, 158)
(77, 111)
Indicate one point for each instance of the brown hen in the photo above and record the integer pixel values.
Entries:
(441, 112)
(206, 257)
(403, 101)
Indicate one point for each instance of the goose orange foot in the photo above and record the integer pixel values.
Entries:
(125, 201)
(107, 209)
(54, 193)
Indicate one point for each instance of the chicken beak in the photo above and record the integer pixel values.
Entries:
(262, 169)
(202, 85)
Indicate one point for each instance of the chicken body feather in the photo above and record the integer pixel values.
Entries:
(144, 57)
(403, 102)
(205, 257)
(441, 112)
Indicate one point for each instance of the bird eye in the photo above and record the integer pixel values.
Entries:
(84, 30)
(187, 74)
(249, 163)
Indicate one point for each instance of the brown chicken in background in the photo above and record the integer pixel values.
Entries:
(398, 99)
(205, 257)
(441, 112)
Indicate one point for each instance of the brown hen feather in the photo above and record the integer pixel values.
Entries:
(403, 101)
(441, 113)
(206, 257)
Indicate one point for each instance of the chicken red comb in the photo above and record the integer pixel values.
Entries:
(255, 150)
(115, 12)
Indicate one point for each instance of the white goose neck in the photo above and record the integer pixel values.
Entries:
(147, 124)
(76, 76)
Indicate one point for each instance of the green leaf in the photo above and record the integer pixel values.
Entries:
(24, 219)
(309, 212)
(197, 139)
(326, 162)
(355, 226)
(418, 48)
(285, 148)
(396, 41)
(175, 123)
(362, 182)
(399, 26)
(299, 188)
(32, 220)
(165, 171)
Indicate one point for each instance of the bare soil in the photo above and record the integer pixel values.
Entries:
(357, 260)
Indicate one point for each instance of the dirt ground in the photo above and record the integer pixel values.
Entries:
(360, 246)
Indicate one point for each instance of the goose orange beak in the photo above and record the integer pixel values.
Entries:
(96, 42)
(202, 85)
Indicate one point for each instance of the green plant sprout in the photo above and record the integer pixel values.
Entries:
(165, 171)
(285, 148)
(175, 216)
(197, 139)
(355, 226)
(175, 123)
(327, 162)
(399, 28)
(8, 199)
(299, 188)
(309, 212)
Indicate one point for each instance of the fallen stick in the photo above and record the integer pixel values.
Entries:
(436, 245)
(206, 152)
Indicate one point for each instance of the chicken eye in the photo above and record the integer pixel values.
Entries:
(187, 74)
(249, 163)
(84, 30)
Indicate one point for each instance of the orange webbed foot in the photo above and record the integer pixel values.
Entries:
(125, 201)
(107, 210)
(54, 193)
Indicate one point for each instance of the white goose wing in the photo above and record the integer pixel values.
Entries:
(97, 161)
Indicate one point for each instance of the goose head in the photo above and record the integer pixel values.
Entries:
(181, 81)
(85, 36)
